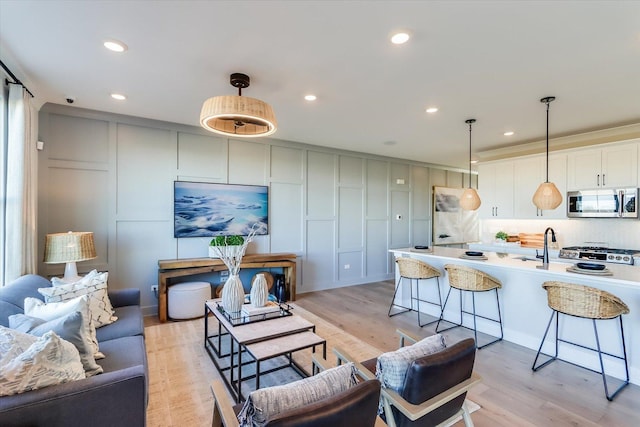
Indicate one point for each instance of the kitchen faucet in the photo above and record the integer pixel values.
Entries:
(545, 253)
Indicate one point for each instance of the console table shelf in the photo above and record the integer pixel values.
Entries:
(171, 268)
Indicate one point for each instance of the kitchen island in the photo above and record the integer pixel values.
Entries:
(524, 309)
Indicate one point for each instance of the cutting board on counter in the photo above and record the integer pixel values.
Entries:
(531, 240)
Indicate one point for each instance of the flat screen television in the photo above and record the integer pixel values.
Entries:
(204, 209)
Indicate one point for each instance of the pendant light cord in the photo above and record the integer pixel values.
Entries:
(547, 141)
(547, 100)
(469, 155)
(470, 122)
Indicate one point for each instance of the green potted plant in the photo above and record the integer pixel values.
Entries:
(224, 243)
(501, 236)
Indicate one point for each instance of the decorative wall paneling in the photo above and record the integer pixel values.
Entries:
(113, 175)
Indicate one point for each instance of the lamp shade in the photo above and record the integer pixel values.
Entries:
(470, 201)
(69, 247)
(233, 115)
(547, 196)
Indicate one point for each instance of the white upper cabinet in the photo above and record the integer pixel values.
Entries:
(607, 167)
(495, 188)
(528, 174)
(558, 175)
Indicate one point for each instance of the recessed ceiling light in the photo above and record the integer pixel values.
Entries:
(118, 96)
(115, 45)
(310, 97)
(508, 133)
(474, 161)
(400, 38)
(432, 110)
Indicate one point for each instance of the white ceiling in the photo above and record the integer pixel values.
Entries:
(490, 60)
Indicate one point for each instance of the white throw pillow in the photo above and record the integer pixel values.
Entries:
(392, 367)
(264, 403)
(94, 285)
(29, 363)
(49, 311)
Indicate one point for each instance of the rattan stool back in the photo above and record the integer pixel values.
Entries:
(416, 269)
(583, 301)
(470, 279)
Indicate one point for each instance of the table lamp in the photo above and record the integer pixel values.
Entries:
(70, 248)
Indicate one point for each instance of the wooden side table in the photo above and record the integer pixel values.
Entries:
(171, 268)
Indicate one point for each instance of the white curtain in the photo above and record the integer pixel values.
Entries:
(20, 187)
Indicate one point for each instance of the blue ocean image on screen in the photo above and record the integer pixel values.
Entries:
(205, 209)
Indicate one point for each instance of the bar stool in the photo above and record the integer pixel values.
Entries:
(471, 280)
(589, 303)
(413, 269)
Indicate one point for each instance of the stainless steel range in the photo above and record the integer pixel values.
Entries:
(598, 253)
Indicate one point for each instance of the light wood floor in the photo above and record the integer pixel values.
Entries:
(511, 394)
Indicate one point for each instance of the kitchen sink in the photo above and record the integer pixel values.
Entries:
(532, 258)
(527, 258)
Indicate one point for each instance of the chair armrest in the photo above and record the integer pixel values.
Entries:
(223, 414)
(344, 357)
(404, 335)
(319, 364)
(124, 297)
(413, 412)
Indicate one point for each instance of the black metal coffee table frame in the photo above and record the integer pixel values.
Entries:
(291, 335)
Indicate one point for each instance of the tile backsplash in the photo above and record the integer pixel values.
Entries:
(615, 233)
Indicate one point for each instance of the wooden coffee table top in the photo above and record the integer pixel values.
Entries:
(289, 343)
(262, 330)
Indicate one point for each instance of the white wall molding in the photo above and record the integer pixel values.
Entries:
(577, 140)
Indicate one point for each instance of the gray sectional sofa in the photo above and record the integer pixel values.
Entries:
(117, 397)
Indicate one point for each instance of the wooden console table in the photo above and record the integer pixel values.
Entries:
(172, 268)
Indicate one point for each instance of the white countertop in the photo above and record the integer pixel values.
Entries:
(524, 303)
(623, 275)
(511, 248)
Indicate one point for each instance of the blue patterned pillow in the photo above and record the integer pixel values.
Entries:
(391, 368)
(264, 403)
(70, 327)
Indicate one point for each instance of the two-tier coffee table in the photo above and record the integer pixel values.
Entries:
(251, 340)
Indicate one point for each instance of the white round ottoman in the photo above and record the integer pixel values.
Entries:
(186, 300)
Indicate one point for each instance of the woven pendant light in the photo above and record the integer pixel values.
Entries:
(547, 196)
(470, 201)
(238, 116)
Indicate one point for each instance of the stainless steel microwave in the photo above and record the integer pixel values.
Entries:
(603, 203)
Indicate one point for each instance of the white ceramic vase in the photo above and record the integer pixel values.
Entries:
(233, 294)
(259, 291)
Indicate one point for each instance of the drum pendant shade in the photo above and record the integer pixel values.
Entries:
(237, 115)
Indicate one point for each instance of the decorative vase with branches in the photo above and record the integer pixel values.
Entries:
(231, 249)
